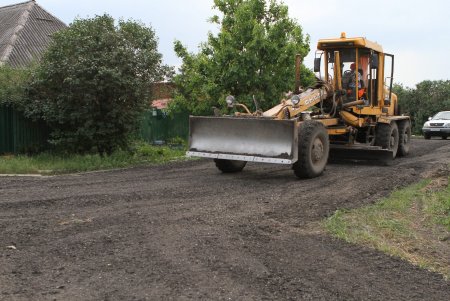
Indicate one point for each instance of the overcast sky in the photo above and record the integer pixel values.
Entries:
(417, 32)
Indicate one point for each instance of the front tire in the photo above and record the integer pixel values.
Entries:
(404, 129)
(427, 136)
(387, 137)
(229, 166)
(313, 150)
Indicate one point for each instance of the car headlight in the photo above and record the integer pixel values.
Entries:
(295, 99)
(447, 125)
(426, 124)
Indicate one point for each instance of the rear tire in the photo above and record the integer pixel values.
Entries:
(313, 150)
(387, 137)
(404, 130)
(229, 166)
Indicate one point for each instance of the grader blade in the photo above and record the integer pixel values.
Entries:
(369, 154)
(244, 139)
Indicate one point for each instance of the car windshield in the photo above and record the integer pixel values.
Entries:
(442, 115)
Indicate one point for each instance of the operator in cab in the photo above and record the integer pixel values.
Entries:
(351, 88)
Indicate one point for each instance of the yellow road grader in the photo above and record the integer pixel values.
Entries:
(350, 111)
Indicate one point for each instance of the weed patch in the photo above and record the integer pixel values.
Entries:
(48, 163)
(412, 223)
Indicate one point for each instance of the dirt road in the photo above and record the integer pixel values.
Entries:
(184, 231)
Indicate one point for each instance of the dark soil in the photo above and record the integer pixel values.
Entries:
(184, 231)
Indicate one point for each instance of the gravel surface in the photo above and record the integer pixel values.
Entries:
(184, 231)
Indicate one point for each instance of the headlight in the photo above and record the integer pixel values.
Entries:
(230, 101)
(295, 99)
(447, 125)
(426, 124)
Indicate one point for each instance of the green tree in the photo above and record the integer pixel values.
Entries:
(253, 54)
(13, 85)
(93, 83)
(404, 98)
(428, 98)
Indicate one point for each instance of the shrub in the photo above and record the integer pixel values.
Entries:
(93, 83)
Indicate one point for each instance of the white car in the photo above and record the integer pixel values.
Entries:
(438, 125)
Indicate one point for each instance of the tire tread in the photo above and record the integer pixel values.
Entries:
(308, 130)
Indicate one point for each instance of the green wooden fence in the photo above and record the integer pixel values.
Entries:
(157, 127)
(19, 134)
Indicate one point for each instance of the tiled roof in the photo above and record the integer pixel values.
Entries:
(25, 32)
(161, 104)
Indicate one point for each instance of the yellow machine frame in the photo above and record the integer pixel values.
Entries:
(331, 115)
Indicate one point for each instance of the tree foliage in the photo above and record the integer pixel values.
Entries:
(428, 98)
(253, 54)
(93, 83)
(12, 88)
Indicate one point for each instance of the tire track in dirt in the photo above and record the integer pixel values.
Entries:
(183, 231)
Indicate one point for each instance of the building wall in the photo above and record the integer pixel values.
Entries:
(162, 90)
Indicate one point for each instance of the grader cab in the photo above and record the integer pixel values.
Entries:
(350, 110)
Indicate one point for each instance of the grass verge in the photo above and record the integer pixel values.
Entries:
(412, 223)
(47, 163)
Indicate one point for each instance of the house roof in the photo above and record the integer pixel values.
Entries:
(25, 32)
(161, 104)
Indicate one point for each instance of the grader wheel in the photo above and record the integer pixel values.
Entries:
(313, 150)
(387, 137)
(404, 129)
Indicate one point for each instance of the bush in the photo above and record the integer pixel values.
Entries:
(12, 88)
(93, 83)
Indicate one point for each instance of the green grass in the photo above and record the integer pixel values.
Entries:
(48, 163)
(412, 223)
